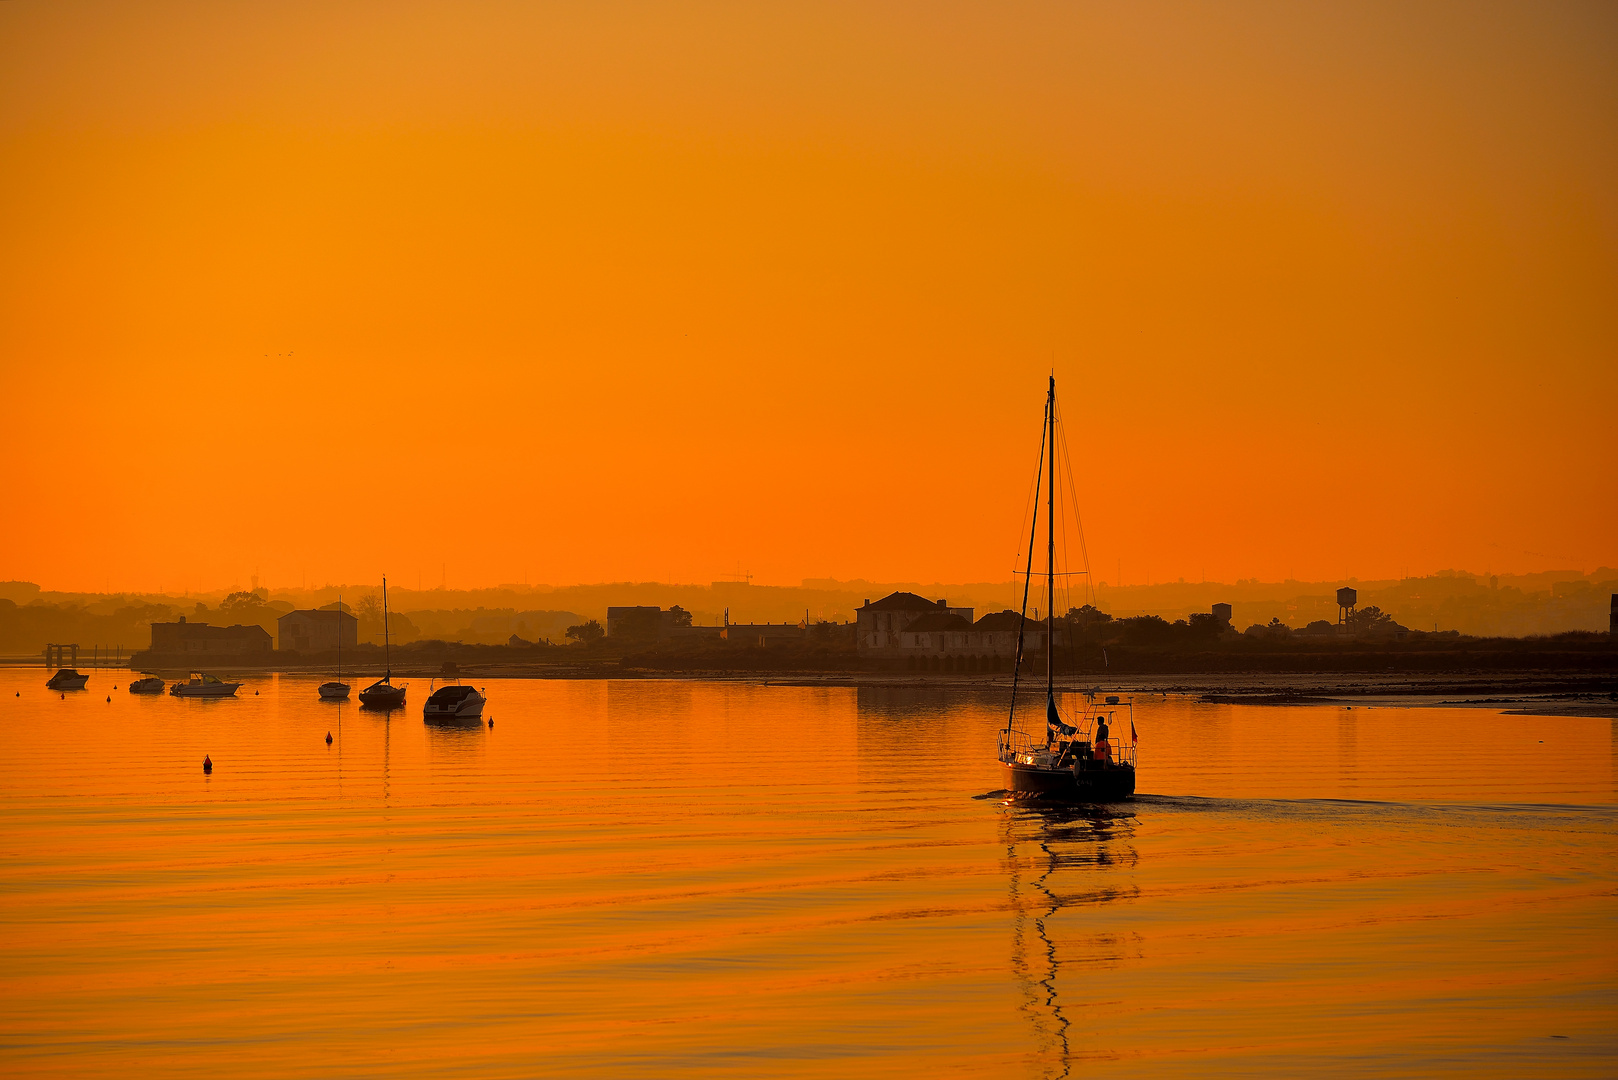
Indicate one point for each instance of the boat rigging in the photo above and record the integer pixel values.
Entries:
(1079, 761)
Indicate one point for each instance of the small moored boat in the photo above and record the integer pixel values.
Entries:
(149, 685)
(454, 702)
(337, 689)
(66, 679)
(204, 685)
(382, 694)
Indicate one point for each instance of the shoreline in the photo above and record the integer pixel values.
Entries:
(1543, 693)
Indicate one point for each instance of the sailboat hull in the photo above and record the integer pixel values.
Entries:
(333, 691)
(1110, 784)
(383, 697)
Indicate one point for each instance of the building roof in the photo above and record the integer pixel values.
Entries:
(1005, 620)
(202, 629)
(939, 621)
(317, 614)
(905, 601)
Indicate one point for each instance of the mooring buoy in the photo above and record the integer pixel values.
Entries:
(109, 697)
(328, 738)
(207, 763)
(491, 719)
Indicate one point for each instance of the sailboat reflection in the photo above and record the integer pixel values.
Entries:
(1061, 856)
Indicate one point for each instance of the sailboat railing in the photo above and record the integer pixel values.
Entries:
(1017, 743)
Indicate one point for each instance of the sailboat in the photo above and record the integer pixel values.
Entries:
(337, 690)
(382, 694)
(1078, 761)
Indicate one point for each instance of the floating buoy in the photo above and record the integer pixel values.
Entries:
(491, 719)
(255, 693)
(109, 697)
(328, 738)
(63, 697)
(207, 763)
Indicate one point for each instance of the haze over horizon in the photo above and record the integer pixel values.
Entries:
(591, 293)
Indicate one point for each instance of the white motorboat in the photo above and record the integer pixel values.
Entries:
(204, 685)
(66, 679)
(454, 702)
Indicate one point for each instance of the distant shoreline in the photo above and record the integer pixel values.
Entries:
(1526, 693)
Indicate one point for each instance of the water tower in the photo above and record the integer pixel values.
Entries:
(1346, 599)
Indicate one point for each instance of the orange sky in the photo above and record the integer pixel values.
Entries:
(593, 292)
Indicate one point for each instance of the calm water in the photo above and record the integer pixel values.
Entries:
(672, 878)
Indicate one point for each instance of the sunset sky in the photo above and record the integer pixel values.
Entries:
(583, 292)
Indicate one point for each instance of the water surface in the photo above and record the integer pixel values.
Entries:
(686, 878)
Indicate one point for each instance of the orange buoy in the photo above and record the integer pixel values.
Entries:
(207, 763)
(328, 738)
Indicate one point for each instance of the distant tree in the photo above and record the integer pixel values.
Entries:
(1205, 624)
(823, 630)
(240, 602)
(586, 633)
(1082, 618)
(1277, 628)
(1371, 620)
(681, 616)
(1319, 626)
(400, 628)
(370, 609)
(1145, 630)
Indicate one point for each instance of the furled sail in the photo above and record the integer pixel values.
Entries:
(1053, 720)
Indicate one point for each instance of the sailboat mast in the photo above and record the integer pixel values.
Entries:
(1050, 552)
(339, 637)
(387, 653)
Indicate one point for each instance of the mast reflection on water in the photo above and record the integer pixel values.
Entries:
(1052, 851)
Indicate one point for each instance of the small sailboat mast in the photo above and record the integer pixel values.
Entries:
(1050, 555)
(382, 694)
(337, 690)
(387, 653)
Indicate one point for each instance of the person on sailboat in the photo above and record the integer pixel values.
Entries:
(1103, 750)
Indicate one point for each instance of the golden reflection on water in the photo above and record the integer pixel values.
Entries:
(641, 878)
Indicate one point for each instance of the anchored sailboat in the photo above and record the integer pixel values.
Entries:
(337, 690)
(382, 694)
(1077, 761)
